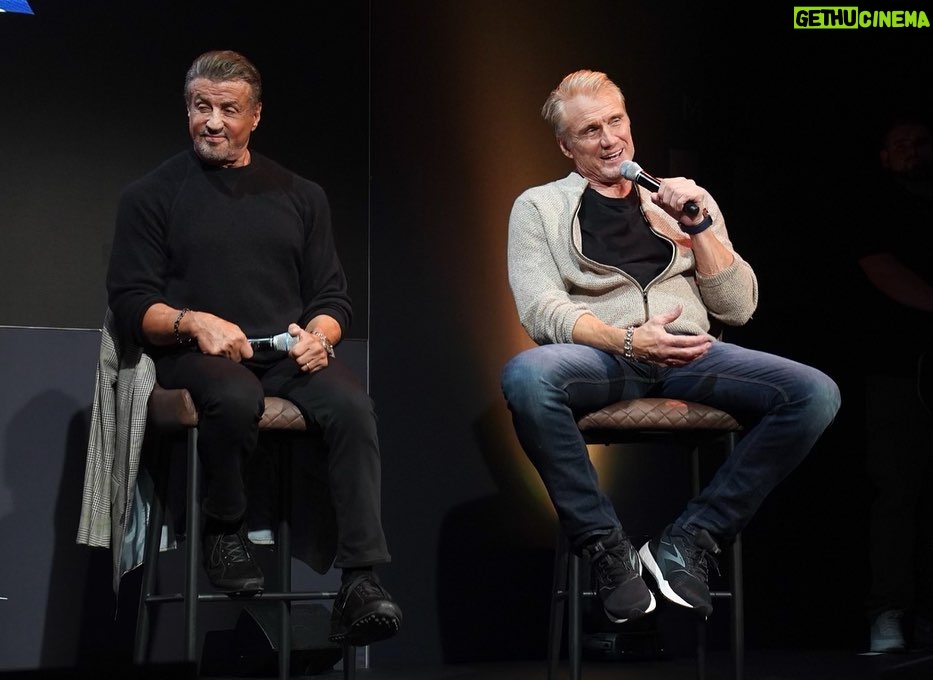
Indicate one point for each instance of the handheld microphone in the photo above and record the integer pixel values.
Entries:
(282, 341)
(631, 170)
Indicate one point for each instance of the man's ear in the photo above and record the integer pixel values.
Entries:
(564, 149)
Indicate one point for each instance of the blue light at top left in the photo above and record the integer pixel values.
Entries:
(19, 6)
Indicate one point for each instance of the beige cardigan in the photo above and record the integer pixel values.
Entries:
(554, 284)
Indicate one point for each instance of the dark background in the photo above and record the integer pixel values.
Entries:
(422, 121)
(94, 98)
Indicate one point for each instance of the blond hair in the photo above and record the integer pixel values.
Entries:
(584, 82)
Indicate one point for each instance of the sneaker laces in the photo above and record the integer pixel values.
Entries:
(700, 558)
(232, 548)
(614, 564)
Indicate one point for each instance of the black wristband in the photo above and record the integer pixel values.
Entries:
(696, 228)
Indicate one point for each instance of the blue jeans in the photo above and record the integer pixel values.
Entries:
(783, 406)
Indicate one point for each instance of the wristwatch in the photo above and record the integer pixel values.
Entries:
(699, 226)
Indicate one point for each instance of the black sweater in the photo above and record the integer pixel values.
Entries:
(252, 245)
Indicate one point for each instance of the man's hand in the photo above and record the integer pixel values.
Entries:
(165, 325)
(218, 336)
(674, 193)
(653, 344)
(308, 352)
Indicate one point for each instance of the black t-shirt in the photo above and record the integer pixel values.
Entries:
(896, 221)
(616, 233)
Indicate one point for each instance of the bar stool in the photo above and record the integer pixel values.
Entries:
(638, 421)
(171, 412)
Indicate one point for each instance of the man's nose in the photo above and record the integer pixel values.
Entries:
(215, 121)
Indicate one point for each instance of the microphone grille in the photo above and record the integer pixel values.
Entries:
(284, 341)
(629, 170)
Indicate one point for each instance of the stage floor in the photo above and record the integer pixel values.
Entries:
(759, 665)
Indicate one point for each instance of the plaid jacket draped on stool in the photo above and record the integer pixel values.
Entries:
(114, 508)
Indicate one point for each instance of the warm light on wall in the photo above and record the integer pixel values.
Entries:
(514, 150)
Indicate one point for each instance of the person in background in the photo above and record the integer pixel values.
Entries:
(894, 241)
(619, 287)
(220, 244)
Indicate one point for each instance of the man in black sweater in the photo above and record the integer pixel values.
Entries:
(220, 244)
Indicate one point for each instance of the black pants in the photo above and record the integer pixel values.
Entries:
(899, 447)
(229, 398)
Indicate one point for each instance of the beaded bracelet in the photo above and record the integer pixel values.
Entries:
(178, 337)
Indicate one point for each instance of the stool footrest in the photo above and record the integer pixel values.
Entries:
(227, 597)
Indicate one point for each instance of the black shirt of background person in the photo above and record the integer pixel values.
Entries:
(897, 221)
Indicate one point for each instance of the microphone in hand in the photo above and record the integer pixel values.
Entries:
(282, 342)
(632, 171)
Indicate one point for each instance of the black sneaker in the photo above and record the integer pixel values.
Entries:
(617, 577)
(363, 612)
(679, 563)
(229, 561)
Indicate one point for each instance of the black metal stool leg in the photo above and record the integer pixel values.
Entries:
(151, 556)
(574, 618)
(738, 611)
(192, 549)
(349, 662)
(558, 598)
(283, 554)
(701, 650)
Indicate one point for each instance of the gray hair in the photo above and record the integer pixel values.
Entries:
(583, 82)
(225, 65)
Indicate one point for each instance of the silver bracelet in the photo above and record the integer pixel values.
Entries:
(328, 347)
(627, 351)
